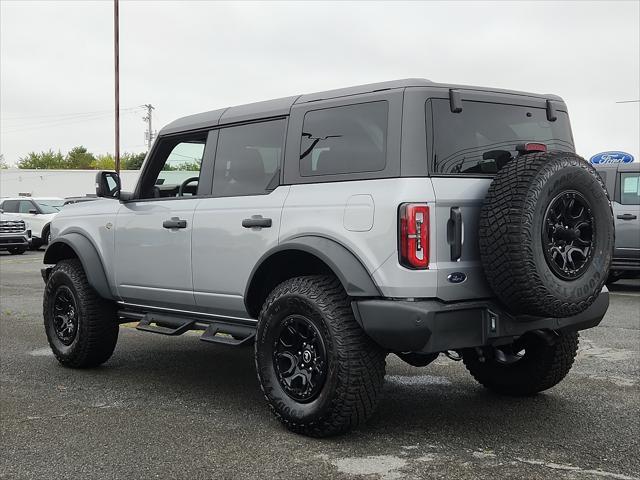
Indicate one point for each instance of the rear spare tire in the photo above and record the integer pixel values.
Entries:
(546, 234)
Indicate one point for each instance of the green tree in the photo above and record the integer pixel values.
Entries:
(184, 166)
(104, 162)
(42, 160)
(3, 163)
(132, 161)
(80, 158)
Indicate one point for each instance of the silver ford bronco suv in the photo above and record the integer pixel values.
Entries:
(331, 229)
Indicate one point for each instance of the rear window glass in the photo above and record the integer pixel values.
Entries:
(483, 137)
(347, 139)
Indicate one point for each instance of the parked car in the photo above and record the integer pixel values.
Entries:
(72, 200)
(15, 235)
(37, 212)
(623, 184)
(329, 230)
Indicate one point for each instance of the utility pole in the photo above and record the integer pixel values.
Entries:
(116, 51)
(149, 134)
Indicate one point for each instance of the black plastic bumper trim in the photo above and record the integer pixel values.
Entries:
(429, 326)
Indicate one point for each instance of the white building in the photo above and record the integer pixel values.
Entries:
(56, 183)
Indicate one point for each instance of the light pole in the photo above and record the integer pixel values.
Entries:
(116, 51)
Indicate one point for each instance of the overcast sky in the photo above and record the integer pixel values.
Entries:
(56, 77)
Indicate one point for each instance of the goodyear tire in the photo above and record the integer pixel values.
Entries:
(546, 234)
(534, 365)
(319, 372)
(81, 327)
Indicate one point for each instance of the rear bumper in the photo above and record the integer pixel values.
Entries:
(432, 326)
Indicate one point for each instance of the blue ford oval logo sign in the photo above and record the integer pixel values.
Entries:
(611, 157)
(456, 277)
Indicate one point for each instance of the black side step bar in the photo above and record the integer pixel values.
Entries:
(164, 324)
(226, 333)
(235, 334)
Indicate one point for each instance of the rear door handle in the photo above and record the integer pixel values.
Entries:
(627, 216)
(454, 233)
(174, 222)
(256, 221)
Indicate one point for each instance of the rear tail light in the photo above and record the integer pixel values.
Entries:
(413, 232)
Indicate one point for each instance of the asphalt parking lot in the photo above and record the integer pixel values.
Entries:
(179, 408)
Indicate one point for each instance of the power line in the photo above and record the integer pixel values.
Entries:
(57, 115)
(58, 123)
(629, 101)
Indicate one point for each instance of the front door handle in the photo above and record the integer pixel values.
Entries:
(256, 221)
(627, 216)
(174, 222)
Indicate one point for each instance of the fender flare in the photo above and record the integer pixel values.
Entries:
(44, 229)
(353, 275)
(88, 256)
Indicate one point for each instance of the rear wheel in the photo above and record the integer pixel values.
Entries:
(81, 327)
(318, 370)
(533, 363)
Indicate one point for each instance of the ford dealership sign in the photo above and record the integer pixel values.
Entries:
(611, 157)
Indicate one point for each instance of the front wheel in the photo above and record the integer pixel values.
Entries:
(81, 327)
(317, 368)
(17, 250)
(533, 363)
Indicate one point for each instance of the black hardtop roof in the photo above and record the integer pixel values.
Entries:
(282, 106)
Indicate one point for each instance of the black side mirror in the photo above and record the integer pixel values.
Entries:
(107, 184)
(33, 211)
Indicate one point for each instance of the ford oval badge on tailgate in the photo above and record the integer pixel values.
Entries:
(456, 277)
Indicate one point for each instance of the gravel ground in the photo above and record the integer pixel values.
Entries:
(179, 408)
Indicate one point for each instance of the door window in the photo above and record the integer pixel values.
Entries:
(174, 169)
(346, 139)
(248, 159)
(25, 206)
(10, 206)
(630, 191)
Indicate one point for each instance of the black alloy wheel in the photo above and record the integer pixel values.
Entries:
(300, 358)
(567, 235)
(65, 315)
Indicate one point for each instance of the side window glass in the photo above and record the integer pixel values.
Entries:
(176, 167)
(348, 139)
(25, 206)
(10, 206)
(630, 188)
(248, 159)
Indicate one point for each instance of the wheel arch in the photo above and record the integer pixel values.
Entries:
(307, 255)
(75, 245)
(44, 230)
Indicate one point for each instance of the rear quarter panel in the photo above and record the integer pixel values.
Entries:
(363, 217)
